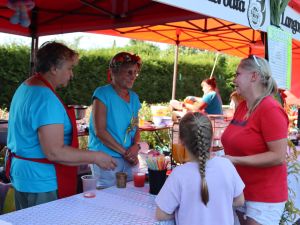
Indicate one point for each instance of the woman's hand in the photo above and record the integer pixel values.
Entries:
(231, 158)
(132, 160)
(132, 152)
(131, 155)
(105, 161)
(273, 157)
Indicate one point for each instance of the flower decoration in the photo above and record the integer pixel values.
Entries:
(124, 57)
(132, 125)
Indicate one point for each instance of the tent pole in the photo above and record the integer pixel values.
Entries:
(178, 32)
(34, 40)
(34, 47)
(216, 59)
(175, 70)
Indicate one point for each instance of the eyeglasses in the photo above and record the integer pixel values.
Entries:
(255, 60)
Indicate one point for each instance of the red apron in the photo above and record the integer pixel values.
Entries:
(66, 175)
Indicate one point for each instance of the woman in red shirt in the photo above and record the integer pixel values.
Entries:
(256, 142)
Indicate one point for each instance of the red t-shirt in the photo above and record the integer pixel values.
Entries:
(243, 137)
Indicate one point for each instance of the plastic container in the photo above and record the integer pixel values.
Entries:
(3, 132)
(158, 110)
(157, 120)
(80, 111)
(157, 179)
(121, 179)
(139, 179)
(167, 120)
(89, 183)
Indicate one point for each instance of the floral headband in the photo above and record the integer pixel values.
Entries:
(123, 58)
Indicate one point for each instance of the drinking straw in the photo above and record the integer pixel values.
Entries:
(157, 163)
(151, 163)
(160, 162)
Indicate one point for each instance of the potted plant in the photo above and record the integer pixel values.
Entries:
(291, 213)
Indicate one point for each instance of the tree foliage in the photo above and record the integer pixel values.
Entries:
(153, 85)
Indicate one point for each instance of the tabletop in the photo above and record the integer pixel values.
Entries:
(154, 128)
(111, 206)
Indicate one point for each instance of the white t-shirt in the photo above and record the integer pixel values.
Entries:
(181, 193)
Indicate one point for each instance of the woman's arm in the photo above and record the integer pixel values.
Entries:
(132, 153)
(275, 156)
(51, 138)
(199, 105)
(99, 118)
(161, 215)
(239, 200)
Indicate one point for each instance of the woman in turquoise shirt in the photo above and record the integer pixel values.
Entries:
(114, 118)
(211, 101)
(42, 133)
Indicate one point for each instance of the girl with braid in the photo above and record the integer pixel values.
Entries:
(256, 143)
(202, 191)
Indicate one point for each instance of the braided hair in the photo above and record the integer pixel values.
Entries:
(195, 132)
(261, 66)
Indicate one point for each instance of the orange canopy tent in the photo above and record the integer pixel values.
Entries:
(57, 17)
(139, 19)
(204, 33)
(211, 34)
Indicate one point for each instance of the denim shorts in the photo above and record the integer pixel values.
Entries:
(262, 212)
(107, 178)
(25, 199)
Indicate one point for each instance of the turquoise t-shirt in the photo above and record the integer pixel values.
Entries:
(119, 113)
(214, 103)
(33, 107)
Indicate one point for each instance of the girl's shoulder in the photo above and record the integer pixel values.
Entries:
(185, 168)
(219, 162)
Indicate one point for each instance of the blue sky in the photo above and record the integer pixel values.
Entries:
(87, 40)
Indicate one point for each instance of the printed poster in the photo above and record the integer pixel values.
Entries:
(280, 56)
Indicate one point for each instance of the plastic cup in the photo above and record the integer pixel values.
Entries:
(89, 183)
(121, 179)
(141, 122)
(157, 179)
(139, 179)
(157, 120)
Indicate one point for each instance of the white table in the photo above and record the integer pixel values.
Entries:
(111, 206)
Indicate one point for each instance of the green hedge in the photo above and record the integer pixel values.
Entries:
(14, 67)
(153, 85)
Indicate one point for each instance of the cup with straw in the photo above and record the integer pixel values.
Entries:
(157, 170)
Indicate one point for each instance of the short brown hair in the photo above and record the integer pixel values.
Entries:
(53, 54)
